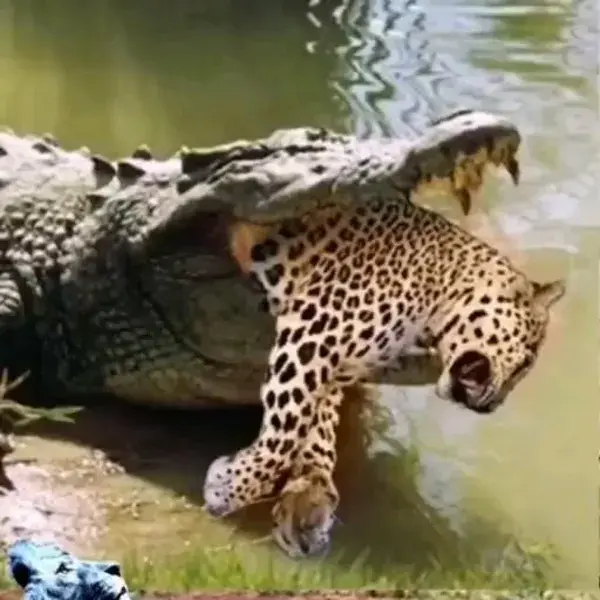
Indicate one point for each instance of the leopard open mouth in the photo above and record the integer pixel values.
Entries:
(487, 403)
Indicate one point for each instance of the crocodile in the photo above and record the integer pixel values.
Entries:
(136, 277)
(116, 277)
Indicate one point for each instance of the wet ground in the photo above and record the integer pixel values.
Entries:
(52, 500)
(120, 473)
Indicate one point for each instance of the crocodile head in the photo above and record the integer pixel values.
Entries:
(297, 171)
(452, 155)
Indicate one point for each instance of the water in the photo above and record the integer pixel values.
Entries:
(114, 74)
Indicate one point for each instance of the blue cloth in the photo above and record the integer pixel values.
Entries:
(46, 572)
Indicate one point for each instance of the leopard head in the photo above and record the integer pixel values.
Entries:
(491, 341)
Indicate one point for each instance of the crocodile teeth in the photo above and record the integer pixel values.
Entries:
(514, 170)
(464, 197)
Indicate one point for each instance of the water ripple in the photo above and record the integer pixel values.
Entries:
(404, 62)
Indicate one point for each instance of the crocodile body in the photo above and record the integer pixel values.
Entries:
(80, 311)
(124, 277)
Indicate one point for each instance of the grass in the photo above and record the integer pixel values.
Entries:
(234, 568)
(199, 569)
(5, 581)
(14, 415)
(200, 572)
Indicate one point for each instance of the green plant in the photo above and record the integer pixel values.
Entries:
(231, 568)
(5, 582)
(14, 415)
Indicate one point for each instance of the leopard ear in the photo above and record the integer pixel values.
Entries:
(546, 294)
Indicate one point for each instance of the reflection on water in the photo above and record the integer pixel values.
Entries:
(114, 74)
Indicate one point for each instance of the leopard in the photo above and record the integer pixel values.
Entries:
(349, 290)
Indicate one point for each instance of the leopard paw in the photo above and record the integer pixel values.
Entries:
(219, 497)
(304, 516)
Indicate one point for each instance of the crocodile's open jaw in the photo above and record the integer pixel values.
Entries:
(297, 172)
(452, 156)
(468, 176)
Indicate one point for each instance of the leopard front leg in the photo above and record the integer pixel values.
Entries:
(289, 401)
(304, 514)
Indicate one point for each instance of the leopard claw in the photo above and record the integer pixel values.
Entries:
(304, 517)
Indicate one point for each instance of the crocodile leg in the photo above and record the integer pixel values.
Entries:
(12, 320)
(11, 316)
(11, 303)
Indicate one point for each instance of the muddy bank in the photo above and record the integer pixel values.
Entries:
(124, 477)
(45, 496)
